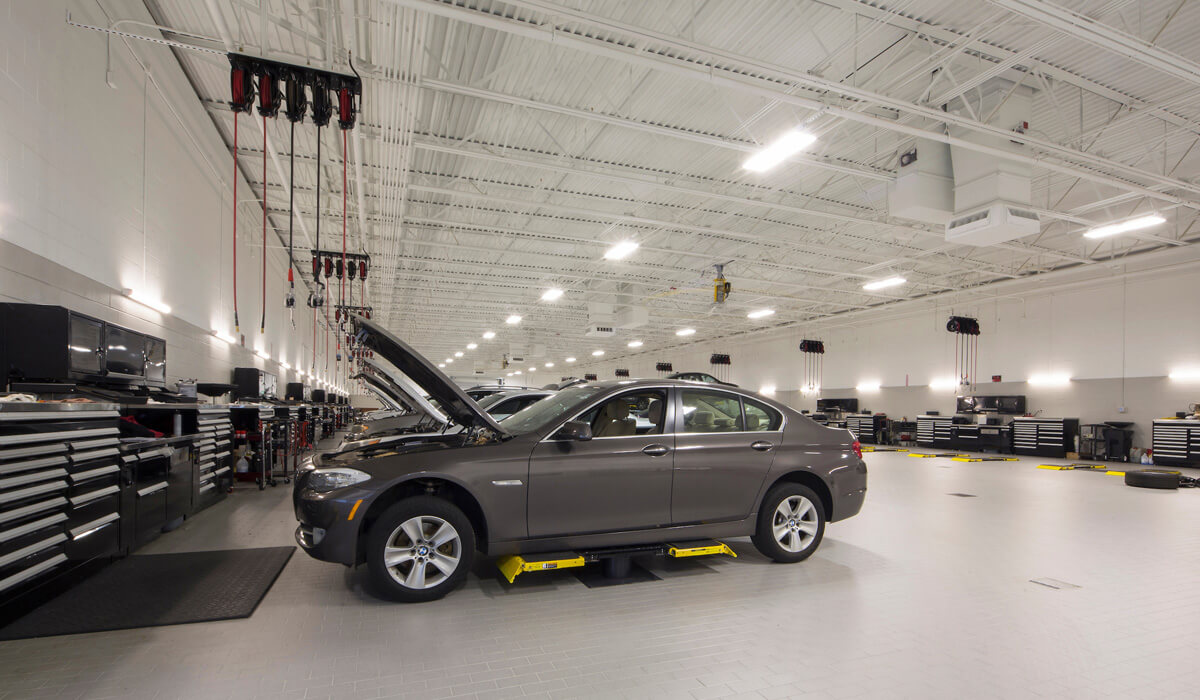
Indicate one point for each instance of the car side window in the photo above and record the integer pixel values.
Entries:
(761, 417)
(633, 413)
(711, 412)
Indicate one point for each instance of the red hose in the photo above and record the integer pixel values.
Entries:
(262, 324)
(345, 270)
(236, 329)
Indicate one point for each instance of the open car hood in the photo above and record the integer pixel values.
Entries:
(424, 375)
(390, 403)
(403, 389)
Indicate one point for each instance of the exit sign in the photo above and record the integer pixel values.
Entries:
(995, 377)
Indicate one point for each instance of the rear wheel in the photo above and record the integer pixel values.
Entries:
(420, 549)
(791, 523)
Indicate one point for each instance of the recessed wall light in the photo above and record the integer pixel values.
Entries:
(868, 386)
(513, 320)
(943, 383)
(1055, 379)
(760, 313)
(779, 150)
(219, 335)
(552, 294)
(884, 283)
(685, 331)
(1185, 374)
(621, 250)
(144, 300)
(262, 354)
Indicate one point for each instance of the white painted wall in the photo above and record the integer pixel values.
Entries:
(107, 189)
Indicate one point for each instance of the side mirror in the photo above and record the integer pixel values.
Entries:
(574, 430)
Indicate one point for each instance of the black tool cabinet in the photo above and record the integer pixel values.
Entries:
(868, 429)
(935, 431)
(1176, 442)
(59, 492)
(214, 455)
(1044, 437)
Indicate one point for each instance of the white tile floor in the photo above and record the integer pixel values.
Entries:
(923, 595)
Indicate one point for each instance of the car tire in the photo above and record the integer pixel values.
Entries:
(412, 557)
(1152, 479)
(791, 523)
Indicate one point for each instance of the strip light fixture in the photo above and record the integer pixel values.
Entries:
(552, 294)
(1136, 224)
(1190, 374)
(884, 283)
(597, 353)
(868, 386)
(513, 320)
(570, 359)
(685, 331)
(221, 335)
(760, 313)
(635, 344)
(942, 383)
(779, 150)
(261, 353)
(472, 346)
(488, 335)
(146, 301)
(621, 250)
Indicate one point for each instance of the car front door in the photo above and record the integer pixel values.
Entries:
(724, 446)
(618, 480)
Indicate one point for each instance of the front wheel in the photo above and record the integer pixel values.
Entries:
(791, 523)
(420, 549)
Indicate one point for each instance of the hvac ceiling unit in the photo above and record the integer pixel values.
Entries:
(595, 331)
(631, 317)
(924, 186)
(992, 194)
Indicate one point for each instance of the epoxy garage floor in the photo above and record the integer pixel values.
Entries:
(928, 593)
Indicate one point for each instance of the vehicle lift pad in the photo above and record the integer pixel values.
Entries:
(514, 565)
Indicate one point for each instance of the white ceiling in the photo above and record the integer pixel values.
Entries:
(504, 146)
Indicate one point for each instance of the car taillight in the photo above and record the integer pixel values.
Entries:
(857, 447)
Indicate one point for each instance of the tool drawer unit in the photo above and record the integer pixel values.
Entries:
(868, 429)
(59, 491)
(214, 455)
(1044, 437)
(935, 431)
(1176, 442)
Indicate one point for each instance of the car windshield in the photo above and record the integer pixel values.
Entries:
(490, 400)
(541, 414)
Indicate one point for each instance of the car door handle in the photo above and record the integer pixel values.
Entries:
(761, 446)
(656, 450)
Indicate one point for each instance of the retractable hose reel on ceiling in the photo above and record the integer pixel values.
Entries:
(814, 365)
(270, 74)
(966, 349)
(720, 365)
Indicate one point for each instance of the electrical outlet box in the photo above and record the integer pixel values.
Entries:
(1120, 409)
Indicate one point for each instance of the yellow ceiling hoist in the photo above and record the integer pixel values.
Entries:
(721, 286)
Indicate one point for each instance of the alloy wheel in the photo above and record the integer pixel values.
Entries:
(795, 523)
(423, 552)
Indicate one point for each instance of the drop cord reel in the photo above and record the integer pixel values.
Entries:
(294, 108)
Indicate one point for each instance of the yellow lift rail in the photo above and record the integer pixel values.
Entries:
(515, 564)
(985, 459)
(699, 549)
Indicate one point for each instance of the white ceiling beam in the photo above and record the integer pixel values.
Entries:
(731, 71)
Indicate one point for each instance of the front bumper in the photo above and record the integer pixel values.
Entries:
(329, 522)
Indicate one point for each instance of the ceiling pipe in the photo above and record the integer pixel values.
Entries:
(722, 78)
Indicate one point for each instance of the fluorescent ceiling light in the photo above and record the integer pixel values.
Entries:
(621, 250)
(1188, 374)
(868, 386)
(1140, 222)
(509, 374)
(1050, 379)
(155, 304)
(262, 354)
(552, 294)
(635, 343)
(761, 313)
(442, 365)
(884, 284)
(488, 335)
(779, 150)
(570, 359)
(449, 360)
(533, 369)
(685, 331)
(597, 353)
(472, 346)
(549, 364)
(513, 320)
(224, 336)
(458, 354)
(516, 371)
(942, 383)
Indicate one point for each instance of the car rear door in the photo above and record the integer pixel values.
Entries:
(618, 480)
(723, 451)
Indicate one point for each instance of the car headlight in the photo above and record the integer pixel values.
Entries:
(326, 480)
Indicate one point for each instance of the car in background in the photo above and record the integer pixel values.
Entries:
(699, 377)
(481, 390)
(620, 463)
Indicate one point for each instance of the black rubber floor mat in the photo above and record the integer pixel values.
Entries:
(593, 576)
(150, 590)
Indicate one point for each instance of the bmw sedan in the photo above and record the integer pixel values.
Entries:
(597, 465)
